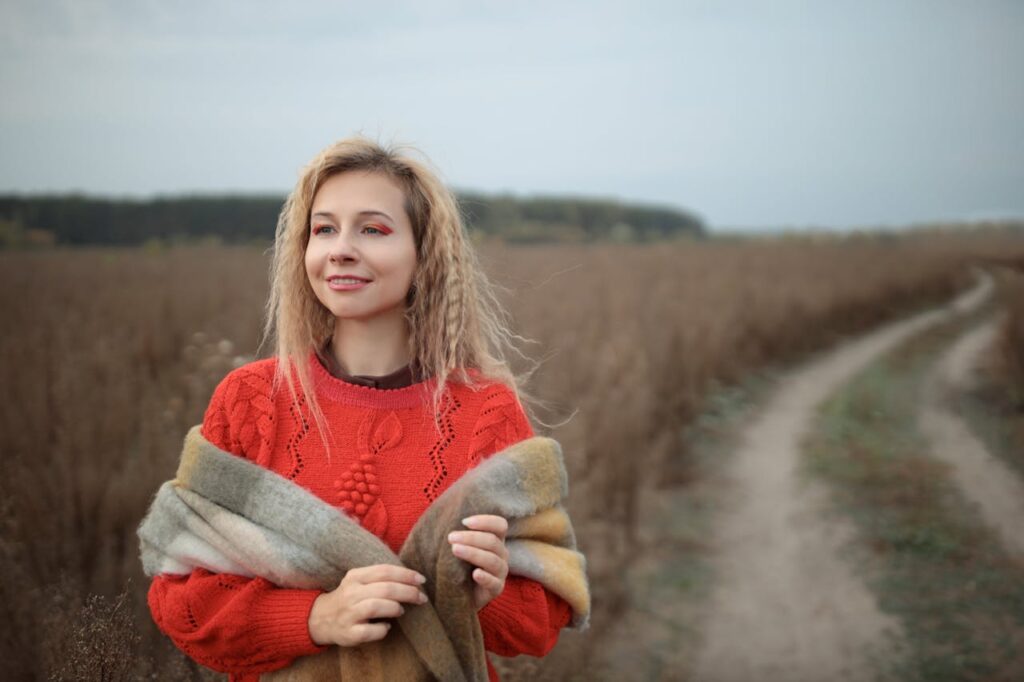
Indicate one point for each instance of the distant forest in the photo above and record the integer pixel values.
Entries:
(47, 220)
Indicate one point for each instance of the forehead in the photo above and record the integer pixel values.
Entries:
(353, 192)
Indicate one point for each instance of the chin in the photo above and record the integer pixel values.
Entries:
(351, 315)
(364, 315)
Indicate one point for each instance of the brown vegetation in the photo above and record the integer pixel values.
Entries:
(1010, 349)
(111, 355)
(997, 402)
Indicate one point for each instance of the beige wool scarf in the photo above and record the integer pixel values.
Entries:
(228, 515)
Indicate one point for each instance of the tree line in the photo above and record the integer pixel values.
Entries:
(76, 219)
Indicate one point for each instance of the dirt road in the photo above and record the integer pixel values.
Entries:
(985, 480)
(784, 606)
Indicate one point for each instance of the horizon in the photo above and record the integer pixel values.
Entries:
(755, 114)
(996, 219)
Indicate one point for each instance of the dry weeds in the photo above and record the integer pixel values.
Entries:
(111, 355)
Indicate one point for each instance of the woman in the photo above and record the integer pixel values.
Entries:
(397, 386)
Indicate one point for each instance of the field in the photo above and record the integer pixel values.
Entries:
(110, 355)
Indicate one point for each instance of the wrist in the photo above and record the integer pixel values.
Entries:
(316, 620)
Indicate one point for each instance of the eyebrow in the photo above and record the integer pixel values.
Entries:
(328, 214)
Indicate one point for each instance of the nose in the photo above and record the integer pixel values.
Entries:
(342, 249)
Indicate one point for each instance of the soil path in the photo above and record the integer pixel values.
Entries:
(784, 605)
(993, 486)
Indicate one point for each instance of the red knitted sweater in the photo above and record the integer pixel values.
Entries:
(388, 463)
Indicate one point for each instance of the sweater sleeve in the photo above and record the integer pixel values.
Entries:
(227, 622)
(526, 617)
(231, 623)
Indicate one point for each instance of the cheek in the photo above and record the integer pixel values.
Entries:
(310, 259)
(409, 263)
(398, 266)
(314, 272)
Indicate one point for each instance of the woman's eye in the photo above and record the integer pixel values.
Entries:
(369, 229)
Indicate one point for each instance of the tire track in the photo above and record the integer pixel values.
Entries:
(989, 483)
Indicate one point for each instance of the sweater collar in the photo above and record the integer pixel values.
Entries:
(400, 378)
(404, 388)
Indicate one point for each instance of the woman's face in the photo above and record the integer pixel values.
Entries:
(359, 230)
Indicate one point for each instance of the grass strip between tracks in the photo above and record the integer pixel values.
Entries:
(990, 412)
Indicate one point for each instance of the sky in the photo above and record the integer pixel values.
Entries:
(751, 115)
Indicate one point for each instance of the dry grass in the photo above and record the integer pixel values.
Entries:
(1010, 348)
(105, 374)
(995, 406)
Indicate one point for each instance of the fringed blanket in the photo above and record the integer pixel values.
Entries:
(228, 515)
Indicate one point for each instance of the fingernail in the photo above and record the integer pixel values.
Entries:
(465, 521)
(420, 578)
(453, 536)
(423, 598)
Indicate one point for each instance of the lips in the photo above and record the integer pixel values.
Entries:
(346, 283)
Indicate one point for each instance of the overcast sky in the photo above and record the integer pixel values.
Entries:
(750, 114)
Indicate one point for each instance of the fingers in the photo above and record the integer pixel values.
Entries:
(484, 547)
(488, 581)
(489, 523)
(489, 561)
(379, 608)
(369, 632)
(335, 619)
(396, 592)
(357, 610)
(480, 540)
(385, 573)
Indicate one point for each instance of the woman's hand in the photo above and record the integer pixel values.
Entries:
(345, 615)
(483, 546)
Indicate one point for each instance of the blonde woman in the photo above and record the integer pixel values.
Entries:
(388, 384)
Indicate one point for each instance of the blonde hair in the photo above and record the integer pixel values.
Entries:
(455, 321)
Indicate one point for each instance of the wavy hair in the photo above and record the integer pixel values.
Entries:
(456, 322)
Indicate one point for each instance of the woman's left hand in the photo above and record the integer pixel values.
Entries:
(483, 546)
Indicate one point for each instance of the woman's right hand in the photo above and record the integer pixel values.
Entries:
(343, 615)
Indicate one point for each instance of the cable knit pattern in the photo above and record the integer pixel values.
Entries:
(501, 422)
(241, 415)
(389, 462)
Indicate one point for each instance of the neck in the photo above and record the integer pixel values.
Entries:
(375, 347)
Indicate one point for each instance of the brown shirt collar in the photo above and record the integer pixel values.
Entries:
(406, 376)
